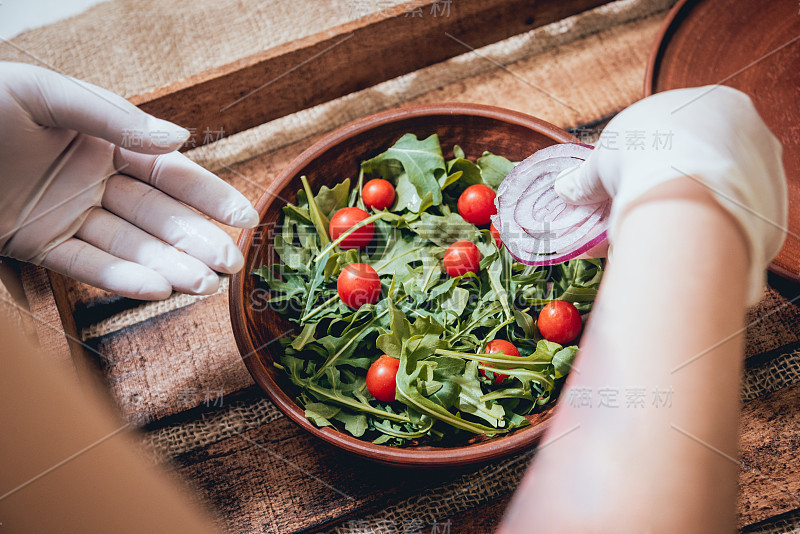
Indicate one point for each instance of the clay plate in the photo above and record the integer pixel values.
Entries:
(753, 46)
(335, 157)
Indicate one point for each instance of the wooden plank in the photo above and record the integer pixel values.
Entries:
(344, 59)
(276, 478)
(13, 302)
(46, 318)
(172, 362)
(80, 353)
(769, 480)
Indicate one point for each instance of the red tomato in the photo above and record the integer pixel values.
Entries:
(496, 234)
(461, 257)
(346, 218)
(559, 322)
(500, 345)
(381, 378)
(358, 284)
(378, 194)
(476, 204)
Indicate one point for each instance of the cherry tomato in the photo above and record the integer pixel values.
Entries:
(346, 218)
(476, 204)
(381, 378)
(496, 234)
(358, 284)
(559, 322)
(500, 345)
(378, 194)
(461, 257)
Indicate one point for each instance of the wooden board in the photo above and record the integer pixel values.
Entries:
(769, 478)
(339, 61)
(202, 362)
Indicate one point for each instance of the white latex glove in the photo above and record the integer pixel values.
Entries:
(92, 188)
(712, 134)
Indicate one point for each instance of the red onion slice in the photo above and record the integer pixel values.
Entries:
(535, 224)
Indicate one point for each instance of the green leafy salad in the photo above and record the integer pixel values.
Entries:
(413, 323)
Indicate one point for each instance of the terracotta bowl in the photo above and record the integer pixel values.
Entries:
(333, 158)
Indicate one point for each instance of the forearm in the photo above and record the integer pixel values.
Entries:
(668, 322)
(68, 466)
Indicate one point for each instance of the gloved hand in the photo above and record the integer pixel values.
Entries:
(92, 188)
(711, 134)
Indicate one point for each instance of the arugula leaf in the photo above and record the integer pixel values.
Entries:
(305, 337)
(356, 424)
(454, 302)
(329, 201)
(320, 220)
(444, 230)
(422, 162)
(525, 321)
(470, 172)
(494, 169)
(391, 343)
(324, 394)
(341, 348)
(494, 272)
(407, 392)
(321, 413)
(407, 196)
(420, 336)
(291, 288)
(402, 252)
(562, 360)
(296, 258)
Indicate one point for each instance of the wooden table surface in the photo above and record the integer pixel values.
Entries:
(175, 365)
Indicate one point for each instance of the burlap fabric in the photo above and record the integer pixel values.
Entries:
(131, 47)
